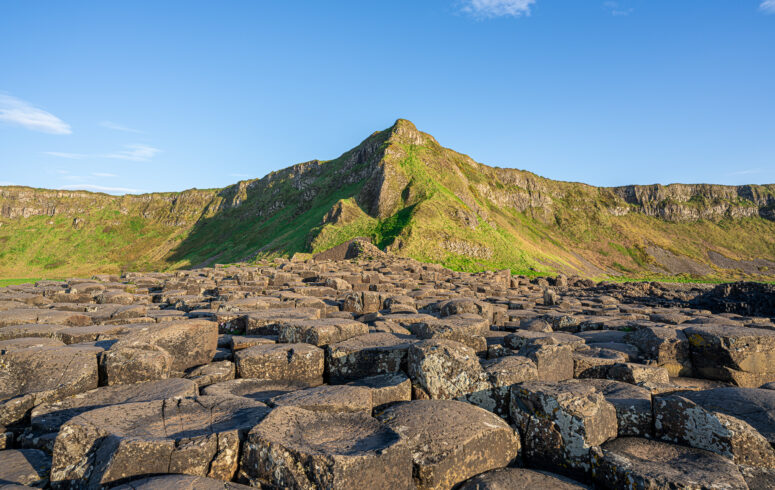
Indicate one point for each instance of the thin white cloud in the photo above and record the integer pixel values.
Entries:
(749, 171)
(768, 6)
(69, 156)
(119, 127)
(103, 174)
(487, 9)
(99, 188)
(6, 183)
(21, 113)
(136, 153)
(615, 9)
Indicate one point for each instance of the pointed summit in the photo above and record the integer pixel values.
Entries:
(404, 131)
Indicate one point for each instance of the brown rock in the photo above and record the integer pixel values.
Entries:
(194, 436)
(561, 423)
(297, 448)
(451, 441)
(24, 467)
(445, 369)
(367, 355)
(260, 390)
(523, 478)
(320, 332)
(328, 398)
(287, 362)
(630, 462)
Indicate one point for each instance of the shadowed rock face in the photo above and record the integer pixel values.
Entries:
(383, 373)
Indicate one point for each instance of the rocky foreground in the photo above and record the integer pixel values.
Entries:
(384, 374)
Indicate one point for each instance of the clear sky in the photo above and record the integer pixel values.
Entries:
(168, 95)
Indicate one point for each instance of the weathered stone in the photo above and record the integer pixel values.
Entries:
(239, 342)
(261, 390)
(297, 448)
(212, 373)
(451, 441)
(180, 482)
(189, 342)
(668, 347)
(134, 364)
(265, 322)
(758, 478)
(501, 374)
(522, 338)
(553, 362)
(680, 420)
(194, 436)
(287, 362)
(632, 403)
(49, 417)
(386, 388)
(745, 356)
(466, 305)
(520, 478)
(445, 369)
(24, 467)
(595, 362)
(754, 406)
(328, 398)
(561, 422)
(630, 462)
(367, 355)
(46, 374)
(320, 332)
(638, 374)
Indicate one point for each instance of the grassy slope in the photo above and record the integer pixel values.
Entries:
(575, 233)
(434, 204)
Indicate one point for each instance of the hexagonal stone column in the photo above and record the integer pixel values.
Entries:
(451, 441)
(194, 436)
(561, 422)
(297, 448)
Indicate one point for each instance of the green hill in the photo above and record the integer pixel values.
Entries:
(412, 197)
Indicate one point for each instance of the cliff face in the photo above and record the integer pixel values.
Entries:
(409, 194)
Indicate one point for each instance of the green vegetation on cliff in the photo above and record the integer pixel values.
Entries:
(413, 197)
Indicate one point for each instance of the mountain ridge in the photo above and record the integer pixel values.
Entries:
(413, 197)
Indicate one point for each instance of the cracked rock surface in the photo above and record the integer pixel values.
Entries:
(384, 373)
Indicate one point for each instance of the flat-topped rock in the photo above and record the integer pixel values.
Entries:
(297, 448)
(180, 482)
(445, 369)
(24, 467)
(513, 478)
(47, 373)
(367, 355)
(561, 422)
(451, 441)
(386, 388)
(261, 390)
(745, 356)
(320, 332)
(287, 362)
(630, 462)
(189, 342)
(49, 417)
(754, 406)
(195, 436)
(328, 398)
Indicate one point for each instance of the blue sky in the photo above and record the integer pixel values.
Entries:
(130, 96)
